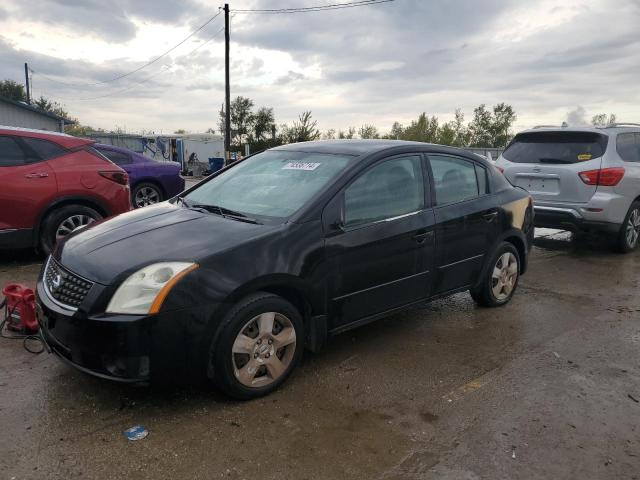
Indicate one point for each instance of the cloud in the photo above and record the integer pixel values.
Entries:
(375, 64)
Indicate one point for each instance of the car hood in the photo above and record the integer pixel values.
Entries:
(163, 232)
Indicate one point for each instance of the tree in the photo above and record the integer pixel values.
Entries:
(491, 129)
(210, 130)
(303, 130)
(263, 124)
(241, 119)
(348, 135)
(180, 131)
(397, 131)
(329, 134)
(12, 90)
(601, 120)
(51, 106)
(368, 131)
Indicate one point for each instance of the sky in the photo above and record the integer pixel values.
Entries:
(551, 60)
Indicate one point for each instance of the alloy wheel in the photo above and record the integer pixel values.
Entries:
(263, 349)
(72, 224)
(633, 228)
(146, 196)
(504, 276)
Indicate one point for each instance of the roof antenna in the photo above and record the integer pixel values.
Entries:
(565, 124)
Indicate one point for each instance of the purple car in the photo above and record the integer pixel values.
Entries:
(151, 181)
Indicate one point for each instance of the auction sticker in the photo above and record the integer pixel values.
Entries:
(301, 166)
(584, 156)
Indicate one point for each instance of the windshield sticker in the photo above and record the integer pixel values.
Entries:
(301, 166)
(584, 156)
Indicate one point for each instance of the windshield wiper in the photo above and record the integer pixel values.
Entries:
(553, 160)
(225, 212)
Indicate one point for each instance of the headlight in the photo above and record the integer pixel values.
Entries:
(144, 291)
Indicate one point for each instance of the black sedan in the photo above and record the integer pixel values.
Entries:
(231, 280)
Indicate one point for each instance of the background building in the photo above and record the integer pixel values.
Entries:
(21, 114)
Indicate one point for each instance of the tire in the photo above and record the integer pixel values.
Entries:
(63, 221)
(503, 267)
(627, 239)
(145, 194)
(248, 359)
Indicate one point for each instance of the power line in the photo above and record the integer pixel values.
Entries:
(124, 75)
(317, 8)
(144, 80)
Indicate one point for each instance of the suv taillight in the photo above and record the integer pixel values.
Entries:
(119, 177)
(605, 177)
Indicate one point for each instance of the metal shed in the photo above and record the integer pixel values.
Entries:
(21, 114)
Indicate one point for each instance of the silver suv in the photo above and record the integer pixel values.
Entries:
(580, 178)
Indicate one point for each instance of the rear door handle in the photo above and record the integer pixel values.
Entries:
(423, 235)
(490, 216)
(37, 175)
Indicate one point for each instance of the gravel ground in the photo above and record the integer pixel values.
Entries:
(546, 387)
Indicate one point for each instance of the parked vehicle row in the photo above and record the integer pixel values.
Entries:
(277, 253)
(54, 184)
(582, 179)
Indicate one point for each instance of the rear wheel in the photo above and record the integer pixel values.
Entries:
(259, 347)
(146, 194)
(629, 234)
(63, 221)
(501, 278)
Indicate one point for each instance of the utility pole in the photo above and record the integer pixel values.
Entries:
(227, 109)
(26, 78)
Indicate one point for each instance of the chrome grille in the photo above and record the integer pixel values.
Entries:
(63, 286)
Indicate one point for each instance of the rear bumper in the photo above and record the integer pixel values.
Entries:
(568, 218)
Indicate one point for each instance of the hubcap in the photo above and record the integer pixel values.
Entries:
(146, 196)
(72, 224)
(505, 274)
(263, 349)
(633, 228)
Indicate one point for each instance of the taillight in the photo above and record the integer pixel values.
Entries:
(605, 177)
(119, 177)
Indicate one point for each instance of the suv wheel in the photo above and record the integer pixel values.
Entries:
(501, 278)
(146, 194)
(62, 221)
(260, 345)
(629, 233)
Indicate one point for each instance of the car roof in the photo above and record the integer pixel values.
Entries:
(358, 147)
(62, 139)
(607, 130)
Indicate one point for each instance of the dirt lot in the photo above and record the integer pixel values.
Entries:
(546, 387)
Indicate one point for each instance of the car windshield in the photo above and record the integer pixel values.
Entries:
(555, 147)
(270, 184)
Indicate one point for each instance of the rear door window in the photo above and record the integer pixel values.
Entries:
(455, 179)
(118, 158)
(556, 147)
(44, 149)
(11, 153)
(628, 146)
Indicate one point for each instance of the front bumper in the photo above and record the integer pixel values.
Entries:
(124, 348)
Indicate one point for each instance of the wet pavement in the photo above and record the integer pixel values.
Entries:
(546, 387)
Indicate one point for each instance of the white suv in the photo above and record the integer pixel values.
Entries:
(580, 178)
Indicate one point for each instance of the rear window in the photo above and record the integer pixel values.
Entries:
(555, 147)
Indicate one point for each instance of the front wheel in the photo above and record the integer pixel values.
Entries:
(63, 221)
(260, 345)
(627, 239)
(501, 278)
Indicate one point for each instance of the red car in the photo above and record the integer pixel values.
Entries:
(52, 184)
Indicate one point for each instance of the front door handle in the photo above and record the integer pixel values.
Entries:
(490, 216)
(423, 235)
(37, 175)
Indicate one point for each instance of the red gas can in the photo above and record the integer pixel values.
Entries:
(20, 308)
